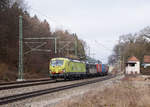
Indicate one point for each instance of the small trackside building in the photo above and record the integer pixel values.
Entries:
(146, 62)
(133, 66)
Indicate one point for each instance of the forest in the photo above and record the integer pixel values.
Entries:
(35, 62)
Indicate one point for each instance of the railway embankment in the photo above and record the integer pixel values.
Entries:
(54, 98)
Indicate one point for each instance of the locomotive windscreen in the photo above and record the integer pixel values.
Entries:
(57, 62)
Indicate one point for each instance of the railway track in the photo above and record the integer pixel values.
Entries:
(13, 98)
(19, 82)
(26, 84)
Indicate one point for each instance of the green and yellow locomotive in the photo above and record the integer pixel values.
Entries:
(66, 68)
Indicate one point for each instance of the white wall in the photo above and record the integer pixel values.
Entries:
(110, 69)
(133, 69)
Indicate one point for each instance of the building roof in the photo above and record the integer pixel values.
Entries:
(133, 58)
(146, 59)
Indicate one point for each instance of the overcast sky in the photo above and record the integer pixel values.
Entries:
(98, 22)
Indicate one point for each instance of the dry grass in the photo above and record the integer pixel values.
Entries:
(10, 73)
(125, 94)
(4, 72)
(3, 67)
(136, 78)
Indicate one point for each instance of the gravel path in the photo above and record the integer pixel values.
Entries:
(49, 100)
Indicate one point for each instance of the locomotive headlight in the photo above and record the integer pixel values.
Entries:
(63, 70)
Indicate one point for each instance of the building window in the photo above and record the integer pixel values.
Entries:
(132, 64)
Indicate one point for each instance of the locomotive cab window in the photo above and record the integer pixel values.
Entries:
(57, 63)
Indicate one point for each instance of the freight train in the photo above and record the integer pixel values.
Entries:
(68, 69)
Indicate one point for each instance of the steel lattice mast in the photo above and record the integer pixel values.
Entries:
(20, 70)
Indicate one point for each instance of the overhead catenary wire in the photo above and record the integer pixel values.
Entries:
(103, 46)
(66, 44)
(106, 48)
(42, 14)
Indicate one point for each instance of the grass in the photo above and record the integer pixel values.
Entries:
(125, 94)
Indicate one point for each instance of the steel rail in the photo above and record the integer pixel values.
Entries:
(13, 98)
(27, 81)
(27, 84)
